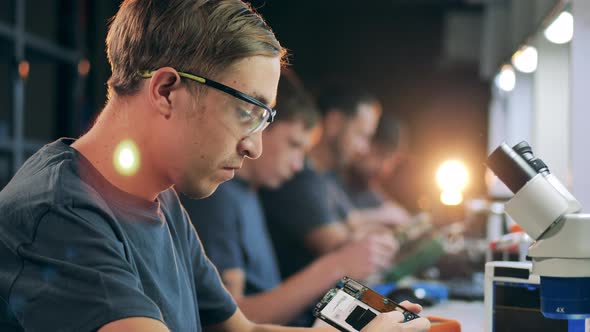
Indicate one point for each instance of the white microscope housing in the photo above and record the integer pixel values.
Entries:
(549, 213)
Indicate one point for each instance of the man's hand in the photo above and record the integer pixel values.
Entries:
(389, 214)
(364, 257)
(393, 321)
(392, 214)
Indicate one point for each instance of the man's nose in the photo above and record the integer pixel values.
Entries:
(251, 146)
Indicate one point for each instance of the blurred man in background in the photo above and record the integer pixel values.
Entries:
(311, 214)
(362, 179)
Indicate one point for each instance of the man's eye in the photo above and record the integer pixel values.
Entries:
(295, 144)
(244, 114)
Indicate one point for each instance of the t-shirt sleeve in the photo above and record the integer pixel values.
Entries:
(216, 222)
(215, 303)
(300, 205)
(75, 276)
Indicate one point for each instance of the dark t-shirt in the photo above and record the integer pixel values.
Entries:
(307, 201)
(233, 230)
(78, 253)
(366, 199)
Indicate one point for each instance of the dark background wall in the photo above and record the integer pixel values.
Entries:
(396, 48)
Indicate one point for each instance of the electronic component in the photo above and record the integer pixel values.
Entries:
(351, 305)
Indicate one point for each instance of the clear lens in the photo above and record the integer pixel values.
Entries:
(257, 119)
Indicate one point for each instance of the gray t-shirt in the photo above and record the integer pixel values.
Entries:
(366, 199)
(233, 230)
(308, 201)
(78, 253)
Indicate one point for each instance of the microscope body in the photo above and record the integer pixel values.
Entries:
(546, 210)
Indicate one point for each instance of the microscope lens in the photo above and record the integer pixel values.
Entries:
(510, 167)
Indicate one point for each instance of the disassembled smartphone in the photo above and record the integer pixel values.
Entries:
(351, 305)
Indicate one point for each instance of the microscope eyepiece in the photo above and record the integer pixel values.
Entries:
(526, 152)
(511, 167)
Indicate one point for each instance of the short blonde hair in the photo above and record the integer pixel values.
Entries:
(199, 36)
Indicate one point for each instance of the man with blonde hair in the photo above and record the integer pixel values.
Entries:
(92, 234)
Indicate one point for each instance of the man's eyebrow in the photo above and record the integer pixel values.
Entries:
(264, 100)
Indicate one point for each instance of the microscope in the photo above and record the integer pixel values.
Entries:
(550, 214)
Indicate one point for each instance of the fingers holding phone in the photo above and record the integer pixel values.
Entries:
(393, 322)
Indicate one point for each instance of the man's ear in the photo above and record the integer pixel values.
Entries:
(333, 123)
(162, 85)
